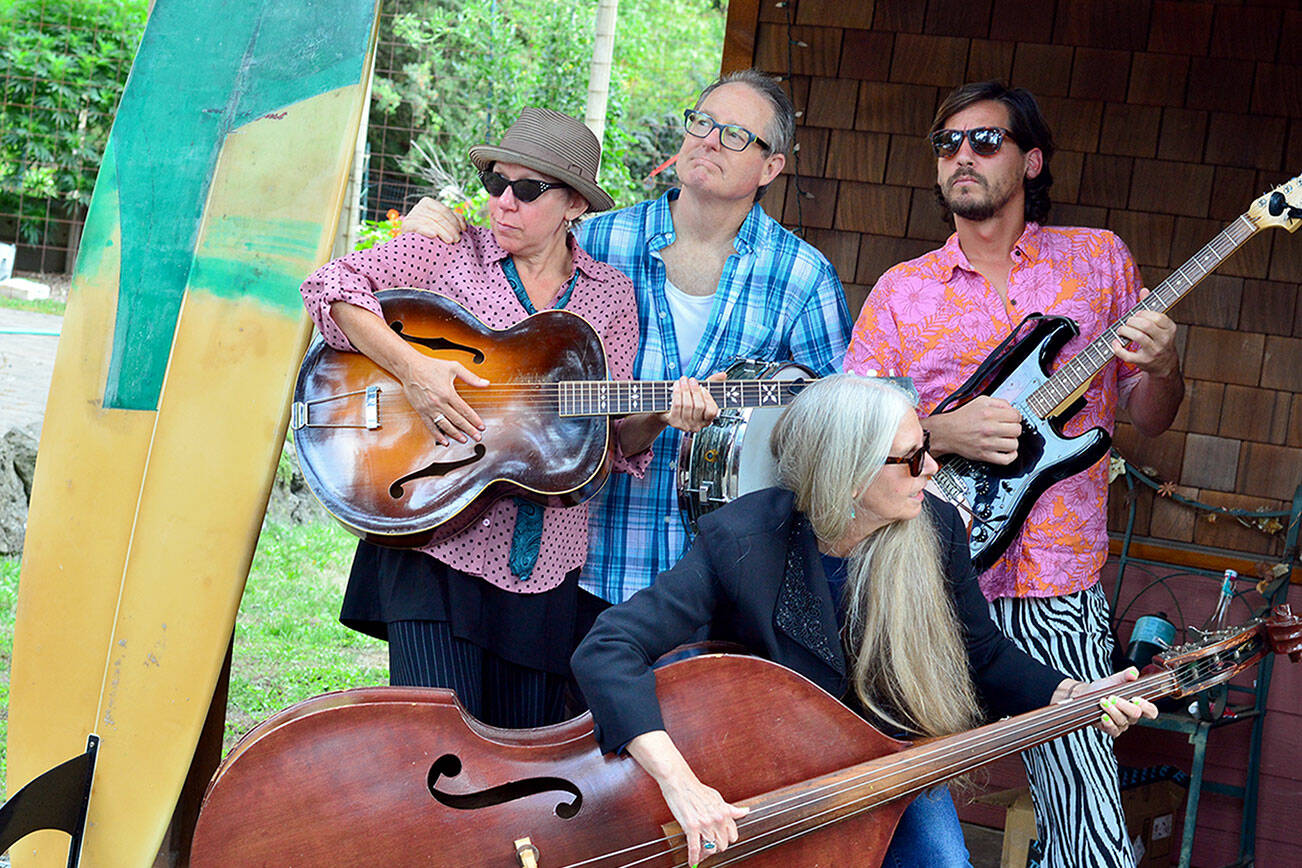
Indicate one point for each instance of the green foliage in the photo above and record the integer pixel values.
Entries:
(373, 232)
(66, 62)
(463, 69)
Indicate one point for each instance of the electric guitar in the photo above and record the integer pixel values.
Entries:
(997, 498)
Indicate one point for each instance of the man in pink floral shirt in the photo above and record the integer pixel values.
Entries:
(936, 318)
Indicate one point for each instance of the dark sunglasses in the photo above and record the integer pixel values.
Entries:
(916, 458)
(525, 189)
(985, 141)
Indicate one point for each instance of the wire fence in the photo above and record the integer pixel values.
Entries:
(448, 74)
(56, 110)
(62, 66)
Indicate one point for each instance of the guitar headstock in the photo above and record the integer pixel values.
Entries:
(1225, 653)
(1284, 632)
(1281, 207)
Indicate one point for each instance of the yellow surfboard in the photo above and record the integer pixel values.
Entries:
(219, 190)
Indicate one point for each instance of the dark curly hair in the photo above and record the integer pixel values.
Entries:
(1029, 130)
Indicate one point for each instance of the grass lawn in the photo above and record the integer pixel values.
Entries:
(289, 644)
(43, 305)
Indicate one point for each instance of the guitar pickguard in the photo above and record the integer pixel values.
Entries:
(1001, 496)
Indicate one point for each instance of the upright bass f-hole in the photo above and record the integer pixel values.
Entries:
(476, 356)
(449, 766)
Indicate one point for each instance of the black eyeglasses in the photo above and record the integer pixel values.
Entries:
(525, 189)
(985, 141)
(916, 458)
(731, 136)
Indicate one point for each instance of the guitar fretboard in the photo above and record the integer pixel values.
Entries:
(1089, 361)
(614, 398)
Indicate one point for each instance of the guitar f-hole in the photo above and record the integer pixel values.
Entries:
(436, 468)
(476, 356)
(449, 766)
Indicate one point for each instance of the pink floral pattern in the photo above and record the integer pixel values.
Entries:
(936, 318)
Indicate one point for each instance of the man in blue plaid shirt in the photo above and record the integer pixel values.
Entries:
(716, 279)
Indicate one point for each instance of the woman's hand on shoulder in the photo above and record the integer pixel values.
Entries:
(709, 823)
(433, 219)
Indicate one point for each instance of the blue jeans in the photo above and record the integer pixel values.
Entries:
(928, 835)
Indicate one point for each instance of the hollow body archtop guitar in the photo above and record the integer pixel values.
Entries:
(368, 457)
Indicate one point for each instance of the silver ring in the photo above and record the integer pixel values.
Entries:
(439, 418)
(707, 844)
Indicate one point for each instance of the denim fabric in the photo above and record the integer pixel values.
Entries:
(928, 835)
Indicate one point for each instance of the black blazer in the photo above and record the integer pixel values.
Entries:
(754, 576)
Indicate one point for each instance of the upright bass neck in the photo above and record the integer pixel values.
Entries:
(781, 815)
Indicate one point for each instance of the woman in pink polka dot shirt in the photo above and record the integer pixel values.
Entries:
(495, 611)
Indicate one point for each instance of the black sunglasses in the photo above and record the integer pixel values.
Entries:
(985, 141)
(916, 458)
(525, 189)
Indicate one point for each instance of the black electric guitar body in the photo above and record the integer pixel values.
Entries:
(998, 498)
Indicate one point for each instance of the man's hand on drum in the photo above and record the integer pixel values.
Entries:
(429, 385)
(692, 406)
(433, 219)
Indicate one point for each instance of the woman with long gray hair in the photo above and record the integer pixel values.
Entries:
(849, 574)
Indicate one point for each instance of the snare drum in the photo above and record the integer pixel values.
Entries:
(731, 456)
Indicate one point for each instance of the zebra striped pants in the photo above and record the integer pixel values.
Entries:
(1074, 778)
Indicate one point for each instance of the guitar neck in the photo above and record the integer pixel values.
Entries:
(1082, 367)
(621, 398)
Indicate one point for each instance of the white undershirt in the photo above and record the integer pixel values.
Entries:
(691, 313)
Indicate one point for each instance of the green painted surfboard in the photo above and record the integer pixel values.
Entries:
(219, 191)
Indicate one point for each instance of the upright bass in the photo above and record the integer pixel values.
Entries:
(402, 776)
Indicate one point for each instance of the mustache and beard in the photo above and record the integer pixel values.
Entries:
(968, 202)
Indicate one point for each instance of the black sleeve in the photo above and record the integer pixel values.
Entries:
(613, 663)
(1008, 680)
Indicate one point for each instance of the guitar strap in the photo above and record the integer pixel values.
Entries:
(987, 367)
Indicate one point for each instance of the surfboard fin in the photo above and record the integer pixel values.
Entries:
(57, 799)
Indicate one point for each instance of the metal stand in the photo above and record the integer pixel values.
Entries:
(1245, 703)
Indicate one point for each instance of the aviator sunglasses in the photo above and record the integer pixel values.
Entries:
(916, 458)
(525, 189)
(985, 141)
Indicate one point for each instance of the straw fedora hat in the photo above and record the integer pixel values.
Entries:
(554, 144)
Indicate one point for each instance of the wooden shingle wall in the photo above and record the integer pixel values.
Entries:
(1170, 117)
